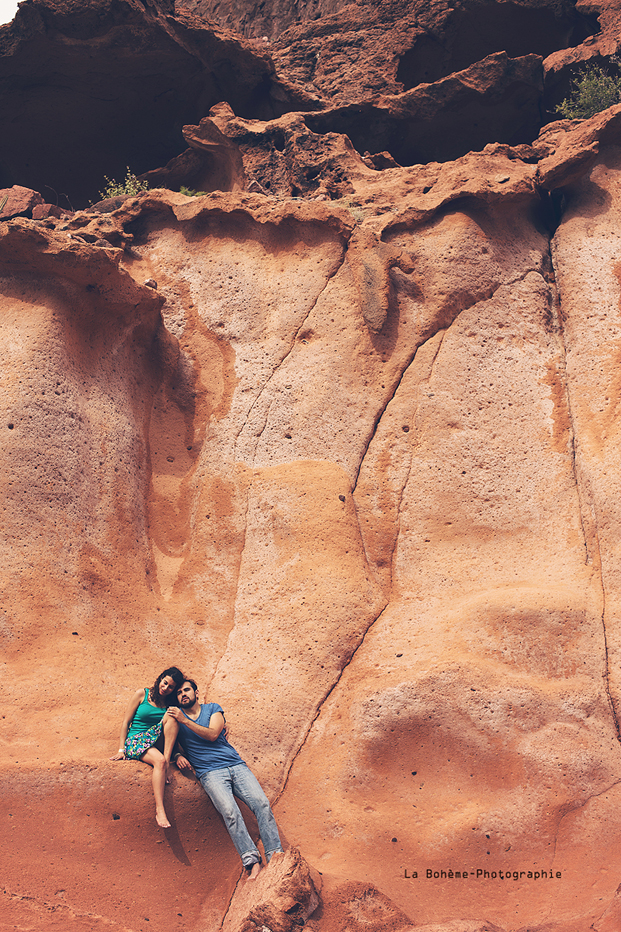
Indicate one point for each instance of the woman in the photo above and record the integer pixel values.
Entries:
(143, 726)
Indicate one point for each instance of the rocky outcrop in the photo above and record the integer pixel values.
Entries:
(18, 202)
(260, 20)
(88, 89)
(449, 81)
(279, 157)
(495, 100)
(304, 154)
(339, 50)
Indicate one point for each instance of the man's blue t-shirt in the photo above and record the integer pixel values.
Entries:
(207, 755)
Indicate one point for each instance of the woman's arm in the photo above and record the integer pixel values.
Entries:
(129, 714)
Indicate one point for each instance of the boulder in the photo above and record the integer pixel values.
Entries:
(282, 898)
(18, 201)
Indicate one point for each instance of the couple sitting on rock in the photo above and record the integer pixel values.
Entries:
(170, 712)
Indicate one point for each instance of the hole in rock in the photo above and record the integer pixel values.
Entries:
(278, 141)
(480, 29)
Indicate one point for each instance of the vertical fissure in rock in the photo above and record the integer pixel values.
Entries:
(415, 444)
(586, 505)
(575, 462)
(332, 273)
(230, 900)
(239, 570)
(569, 808)
(322, 702)
(382, 410)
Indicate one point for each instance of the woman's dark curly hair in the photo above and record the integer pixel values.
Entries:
(154, 693)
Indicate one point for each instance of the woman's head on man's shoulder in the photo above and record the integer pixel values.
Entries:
(164, 691)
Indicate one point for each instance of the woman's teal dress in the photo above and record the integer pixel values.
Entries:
(144, 729)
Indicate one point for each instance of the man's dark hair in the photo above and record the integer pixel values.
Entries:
(191, 682)
(154, 693)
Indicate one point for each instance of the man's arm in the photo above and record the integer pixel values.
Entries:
(180, 759)
(207, 733)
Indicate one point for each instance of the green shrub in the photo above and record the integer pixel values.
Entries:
(592, 91)
(190, 192)
(131, 185)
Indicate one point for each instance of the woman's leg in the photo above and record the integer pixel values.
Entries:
(170, 727)
(158, 762)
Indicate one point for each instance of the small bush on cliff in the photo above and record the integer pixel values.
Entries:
(131, 185)
(592, 91)
(190, 192)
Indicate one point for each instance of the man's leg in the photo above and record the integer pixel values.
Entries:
(218, 784)
(247, 788)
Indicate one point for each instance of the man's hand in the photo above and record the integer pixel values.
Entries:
(175, 713)
(183, 763)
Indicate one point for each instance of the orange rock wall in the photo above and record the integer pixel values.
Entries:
(355, 470)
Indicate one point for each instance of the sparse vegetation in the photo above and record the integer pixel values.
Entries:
(592, 91)
(358, 212)
(190, 192)
(131, 185)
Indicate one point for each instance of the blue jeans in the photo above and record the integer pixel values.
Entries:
(222, 786)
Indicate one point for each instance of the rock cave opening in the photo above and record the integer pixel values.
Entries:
(480, 29)
(84, 103)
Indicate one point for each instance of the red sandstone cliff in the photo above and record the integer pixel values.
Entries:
(339, 438)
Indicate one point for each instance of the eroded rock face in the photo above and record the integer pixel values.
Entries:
(260, 20)
(18, 202)
(282, 898)
(280, 157)
(352, 465)
(110, 86)
(339, 439)
(340, 51)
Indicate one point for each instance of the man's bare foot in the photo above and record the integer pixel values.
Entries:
(162, 819)
(255, 871)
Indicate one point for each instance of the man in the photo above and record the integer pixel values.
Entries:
(223, 775)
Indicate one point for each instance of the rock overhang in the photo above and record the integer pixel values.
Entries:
(90, 89)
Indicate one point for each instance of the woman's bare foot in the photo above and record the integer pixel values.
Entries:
(162, 819)
(255, 871)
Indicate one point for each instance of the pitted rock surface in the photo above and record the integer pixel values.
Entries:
(340, 439)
